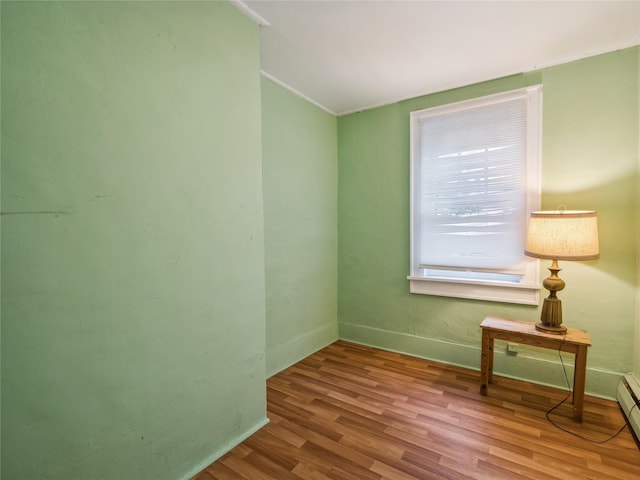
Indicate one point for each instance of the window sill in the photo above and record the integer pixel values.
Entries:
(488, 291)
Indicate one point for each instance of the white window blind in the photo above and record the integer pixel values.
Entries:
(475, 174)
(473, 177)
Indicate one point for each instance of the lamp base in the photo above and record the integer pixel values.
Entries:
(551, 315)
(555, 329)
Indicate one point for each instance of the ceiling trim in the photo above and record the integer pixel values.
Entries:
(531, 69)
(256, 17)
(296, 92)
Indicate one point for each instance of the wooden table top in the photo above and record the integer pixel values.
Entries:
(573, 335)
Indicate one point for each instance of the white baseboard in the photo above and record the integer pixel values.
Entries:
(287, 354)
(628, 395)
(600, 383)
(224, 449)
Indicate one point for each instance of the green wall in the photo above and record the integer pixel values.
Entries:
(590, 161)
(300, 208)
(133, 300)
(636, 349)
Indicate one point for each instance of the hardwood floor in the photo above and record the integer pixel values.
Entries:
(351, 412)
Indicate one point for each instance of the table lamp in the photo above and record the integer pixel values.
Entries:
(560, 235)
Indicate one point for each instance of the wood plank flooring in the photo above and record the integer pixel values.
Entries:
(350, 412)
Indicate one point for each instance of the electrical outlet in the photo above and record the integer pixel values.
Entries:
(512, 348)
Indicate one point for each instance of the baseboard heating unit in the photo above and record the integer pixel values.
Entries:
(628, 396)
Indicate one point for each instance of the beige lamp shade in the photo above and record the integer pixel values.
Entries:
(563, 235)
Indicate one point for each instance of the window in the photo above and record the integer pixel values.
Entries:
(475, 176)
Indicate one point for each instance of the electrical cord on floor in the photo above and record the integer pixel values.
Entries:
(552, 409)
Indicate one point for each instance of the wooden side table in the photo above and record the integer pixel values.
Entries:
(574, 341)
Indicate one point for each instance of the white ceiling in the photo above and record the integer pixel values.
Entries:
(346, 55)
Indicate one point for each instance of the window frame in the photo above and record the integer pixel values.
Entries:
(526, 291)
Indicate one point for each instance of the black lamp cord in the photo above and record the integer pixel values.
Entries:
(551, 410)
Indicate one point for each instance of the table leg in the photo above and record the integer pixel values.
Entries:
(486, 361)
(579, 376)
